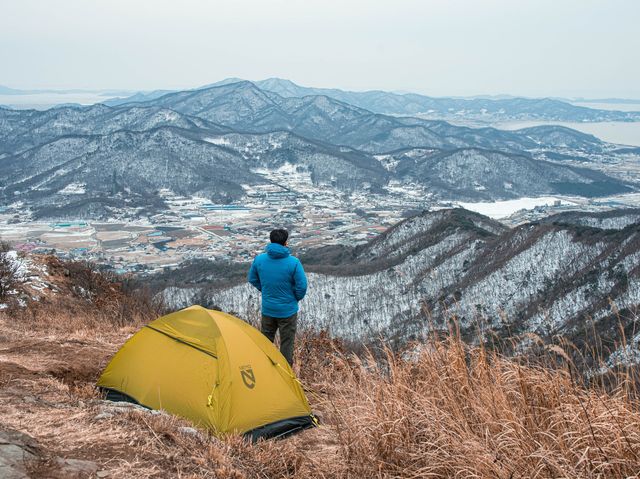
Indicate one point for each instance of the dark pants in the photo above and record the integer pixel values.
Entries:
(287, 327)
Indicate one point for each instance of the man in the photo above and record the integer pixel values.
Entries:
(281, 279)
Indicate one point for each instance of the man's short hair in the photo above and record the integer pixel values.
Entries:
(279, 236)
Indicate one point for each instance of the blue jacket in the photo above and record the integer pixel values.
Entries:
(281, 279)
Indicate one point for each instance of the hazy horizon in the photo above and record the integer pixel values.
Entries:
(100, 94)
(529, 48)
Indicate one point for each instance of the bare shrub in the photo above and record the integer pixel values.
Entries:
(8, 271)
(117, 298)
(89, 297)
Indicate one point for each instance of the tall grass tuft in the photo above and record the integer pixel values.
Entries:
(447, 409)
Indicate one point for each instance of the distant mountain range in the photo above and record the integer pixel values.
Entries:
(487, 109)
(480, 108)
(621, 101)
(210, 142)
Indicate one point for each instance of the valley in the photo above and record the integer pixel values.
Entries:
(194, 228)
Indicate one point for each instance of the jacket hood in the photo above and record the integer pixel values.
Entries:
(275, 251)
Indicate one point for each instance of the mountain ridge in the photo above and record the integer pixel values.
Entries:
(478, 107)
(539, 278)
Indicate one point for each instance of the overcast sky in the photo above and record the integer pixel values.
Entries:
(437, 47)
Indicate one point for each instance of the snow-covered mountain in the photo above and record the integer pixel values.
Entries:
(447, 108)
(212, 141)
(245, 107)
(608, 220)
(486, 109)
(124, 165)
(472, 172)
(24, 129)
(549, 278)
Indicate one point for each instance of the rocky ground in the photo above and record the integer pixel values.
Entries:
(51, 417)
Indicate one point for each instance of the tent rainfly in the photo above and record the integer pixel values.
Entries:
(213, 369)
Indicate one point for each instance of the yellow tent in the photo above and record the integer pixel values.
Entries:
(213, 369)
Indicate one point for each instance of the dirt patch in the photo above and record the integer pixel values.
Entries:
(76, 375)
(59, 356)
(10, 371)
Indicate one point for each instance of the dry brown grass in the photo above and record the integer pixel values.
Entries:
(451, 410)
(443, 410)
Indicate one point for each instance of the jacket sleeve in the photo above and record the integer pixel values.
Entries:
(253, 276)
(299, 282)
